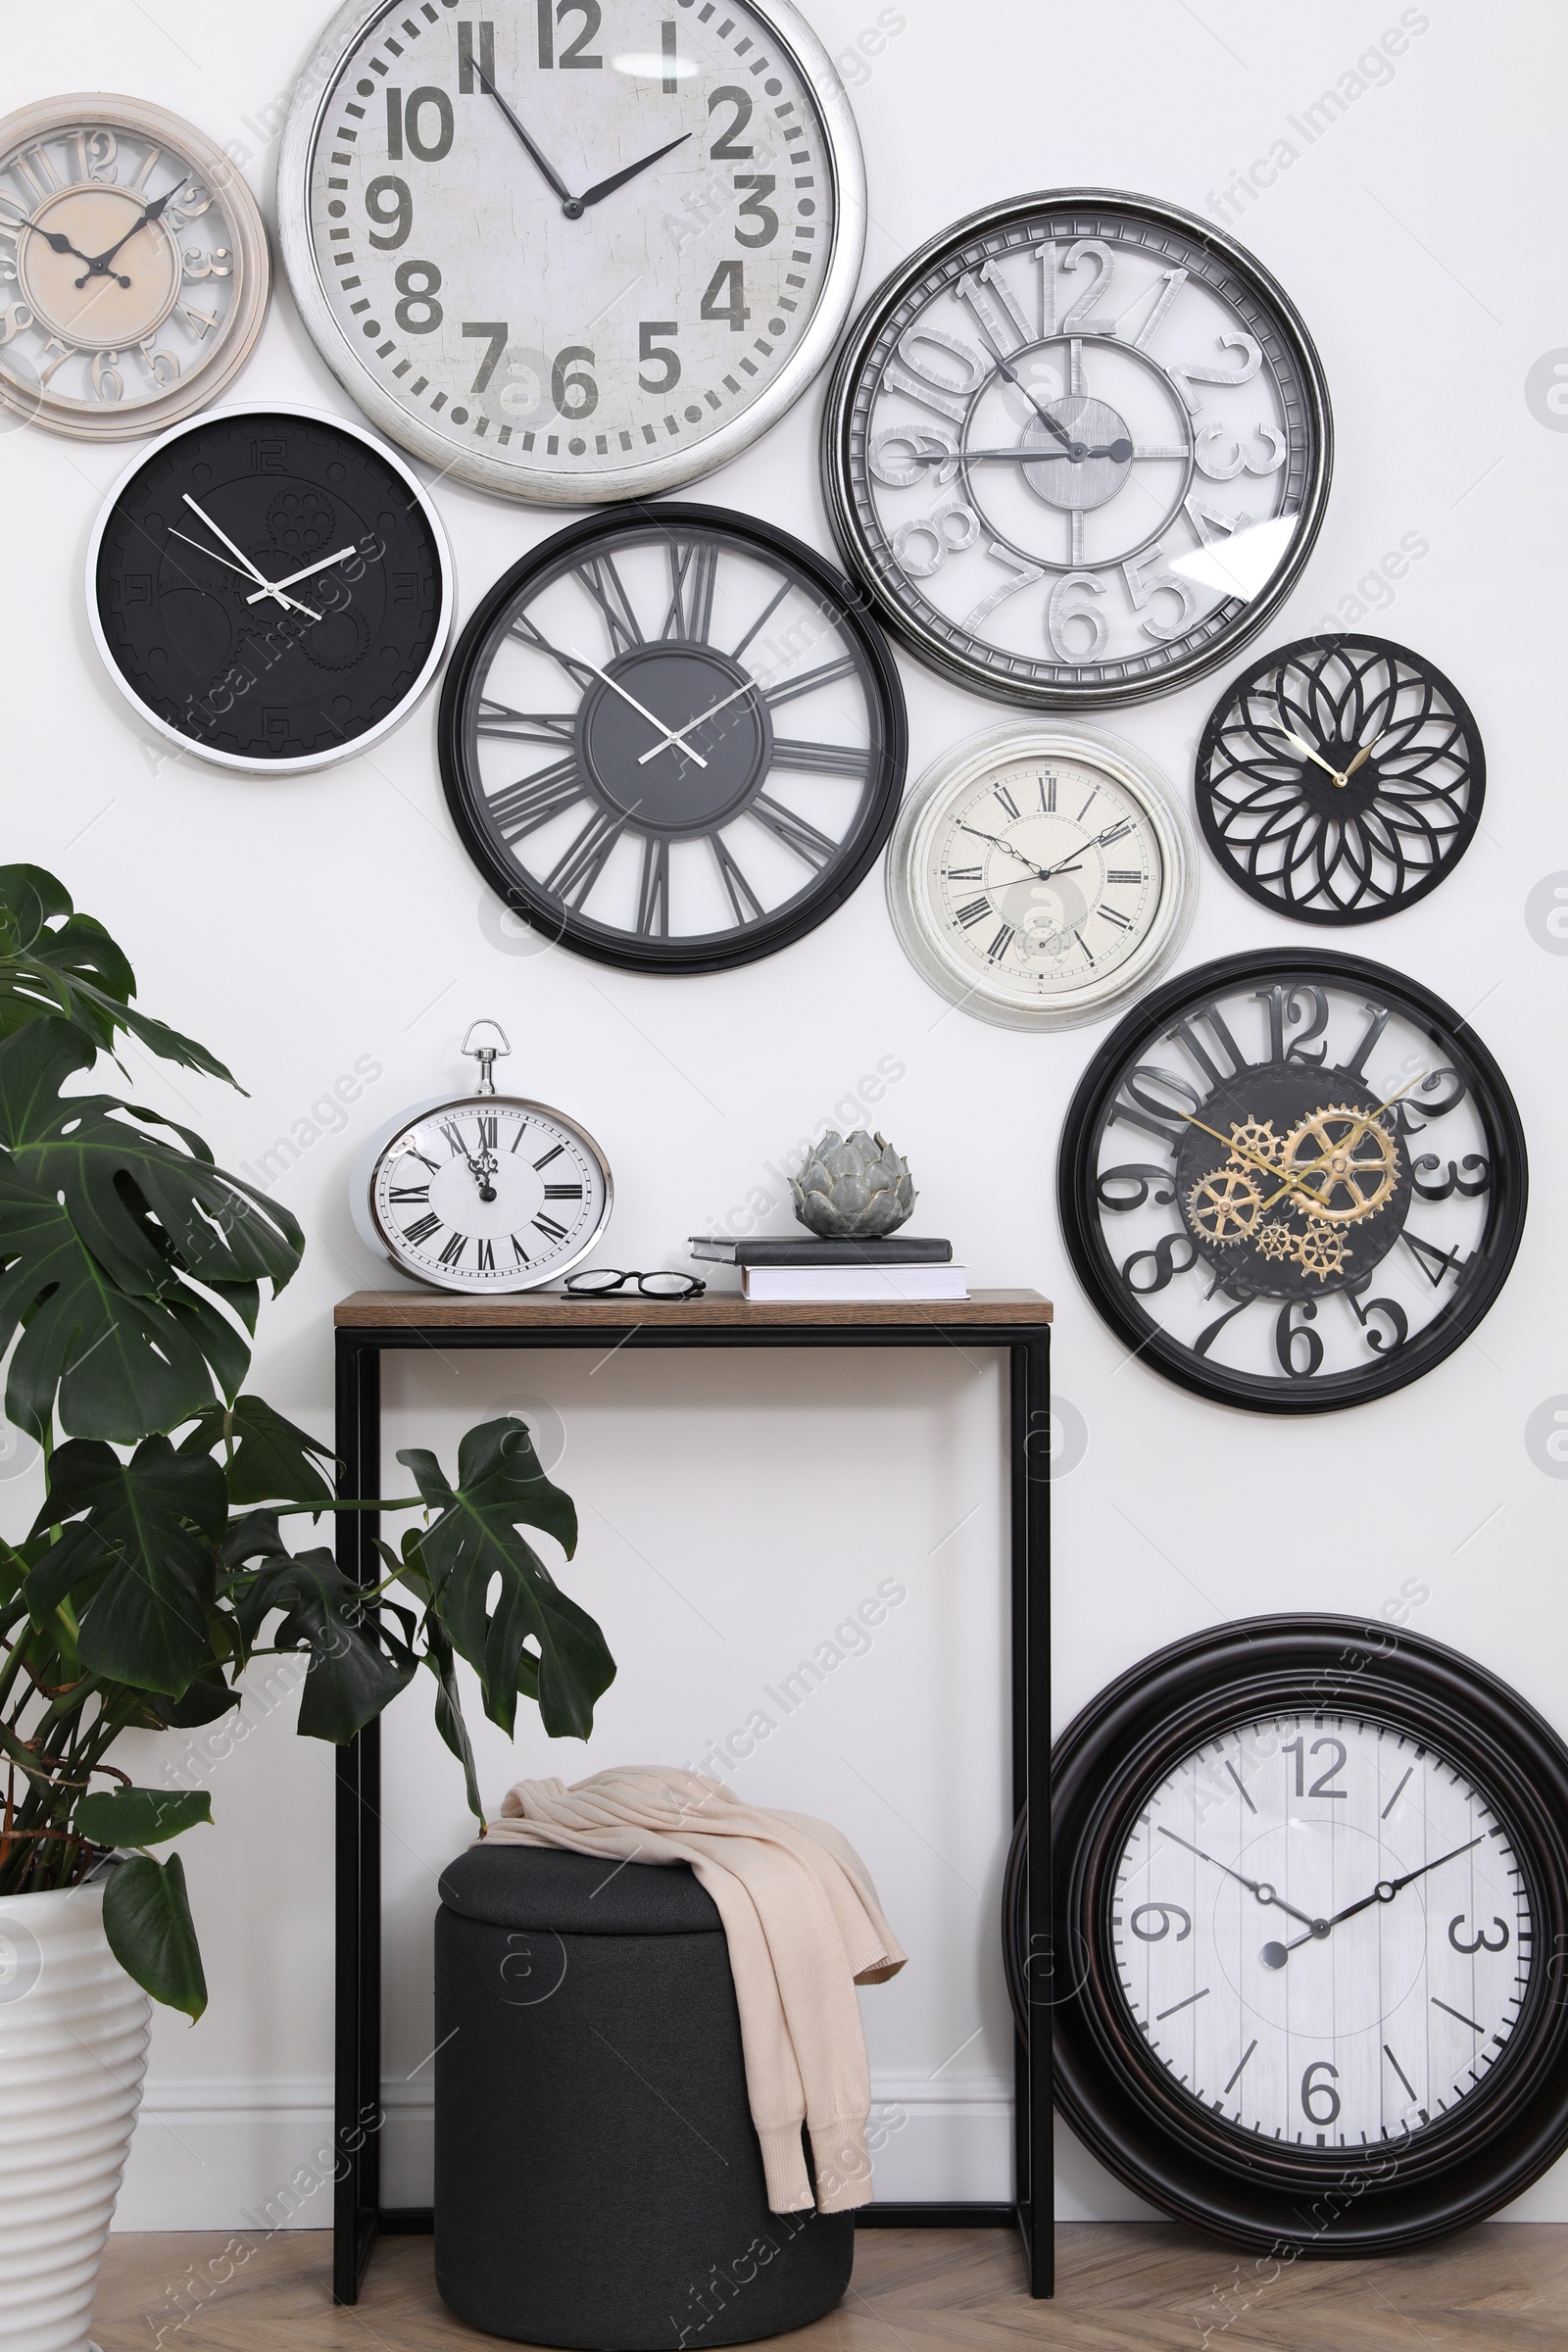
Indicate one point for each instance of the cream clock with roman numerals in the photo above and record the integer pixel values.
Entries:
(1078, 448)
(482, 1194)
(1041, 876)
(134, 267)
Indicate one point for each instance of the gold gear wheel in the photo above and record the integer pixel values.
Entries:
(1274, 1240)
(1225, 1207)
(1345, 1163)
(1255, 1139)
(1321, 1251)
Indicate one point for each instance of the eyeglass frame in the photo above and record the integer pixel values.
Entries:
(695, 1286)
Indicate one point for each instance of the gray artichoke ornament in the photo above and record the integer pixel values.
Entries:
(853, 1188)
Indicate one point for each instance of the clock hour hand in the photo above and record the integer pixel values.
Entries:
(1016, 380)
(679, 734)
(1382, 1892)
(641, 708)
(569, 204)
(1258, 1886)
(59, 243)
(618, 179)
(322, 564)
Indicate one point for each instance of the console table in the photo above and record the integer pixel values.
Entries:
(369, 1323)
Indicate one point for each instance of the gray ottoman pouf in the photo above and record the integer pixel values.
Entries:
(598, 2180)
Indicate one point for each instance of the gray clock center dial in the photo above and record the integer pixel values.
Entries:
(694, 783)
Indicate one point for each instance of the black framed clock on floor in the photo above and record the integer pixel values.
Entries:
(1310, 1907)
(271, 588)
(672, 739)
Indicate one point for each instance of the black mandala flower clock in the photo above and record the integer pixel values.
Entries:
(1339, 779)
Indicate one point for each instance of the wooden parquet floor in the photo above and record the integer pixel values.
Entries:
(1122, 2287)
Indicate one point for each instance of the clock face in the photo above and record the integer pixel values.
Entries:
(670, 741)
(1039, 877)
(1322, 1931)
(1293, 1181)
(489, 1195)
(1078, 448)
(571, 250)
(1312, 1876)
(271, 589)
(1339, 779)
(133, 266)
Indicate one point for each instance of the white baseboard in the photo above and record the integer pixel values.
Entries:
(246, 2155)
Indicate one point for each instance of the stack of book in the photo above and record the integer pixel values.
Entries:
(783, 1267)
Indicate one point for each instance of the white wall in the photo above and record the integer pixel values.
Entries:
(734, 1514)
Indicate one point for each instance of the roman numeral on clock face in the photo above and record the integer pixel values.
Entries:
(422, 1231)
(563, 1192)
(452, 1254)
(549, 1227)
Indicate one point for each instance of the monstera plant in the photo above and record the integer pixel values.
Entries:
(163, 1559)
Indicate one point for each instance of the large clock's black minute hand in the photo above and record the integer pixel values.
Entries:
(618, 179)
(569, 204)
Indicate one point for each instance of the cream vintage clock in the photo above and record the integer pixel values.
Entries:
(1041, 876)
(572, 250)
(484, 1193)
(134, 267)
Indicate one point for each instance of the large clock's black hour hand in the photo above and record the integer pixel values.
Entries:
(1258, 1887)
(58, 244)
(618, 179)
(569, 204)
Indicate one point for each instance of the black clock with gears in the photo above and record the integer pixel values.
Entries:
(271, 588)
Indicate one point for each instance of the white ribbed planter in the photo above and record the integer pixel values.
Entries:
(73, 2053)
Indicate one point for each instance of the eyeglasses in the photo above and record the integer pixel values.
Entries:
(600, 1281)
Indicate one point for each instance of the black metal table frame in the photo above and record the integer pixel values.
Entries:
(359, 2216)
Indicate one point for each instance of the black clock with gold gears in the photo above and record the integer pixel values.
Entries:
(271, 588)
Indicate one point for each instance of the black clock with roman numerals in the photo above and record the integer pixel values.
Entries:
(1293, 1181)
(672, 740)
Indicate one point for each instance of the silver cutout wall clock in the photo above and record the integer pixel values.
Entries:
(484, 1194)
(1293, 1179)
(271, 588)
(1339, 779)
(1310, 1898)
(671, 740)
(572, 250)
(1040, 876)
(133, 266)
(1077, 448)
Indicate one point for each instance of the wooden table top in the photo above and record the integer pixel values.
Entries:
(536, 1311)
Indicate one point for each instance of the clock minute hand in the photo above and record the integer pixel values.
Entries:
(154, 211)
(1258, 1887)
(618, 179)
(246, 571)
(1044, 414)
(640, 708)
(568, 202)
(678, 735)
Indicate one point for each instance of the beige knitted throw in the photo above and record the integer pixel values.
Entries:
(804, 1928)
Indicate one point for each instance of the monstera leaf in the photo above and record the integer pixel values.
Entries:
(148, 1924)
(100, 1224)
(75, 970)
(358, 1664)
(266, 1458)
(475, 1542)
(141, 1546)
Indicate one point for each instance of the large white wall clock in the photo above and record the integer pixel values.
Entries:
(572, 250)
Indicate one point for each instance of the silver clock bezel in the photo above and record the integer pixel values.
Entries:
(536, 485)
(867, 566)
(311, 761)
(368, 1164)
(920, 935)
